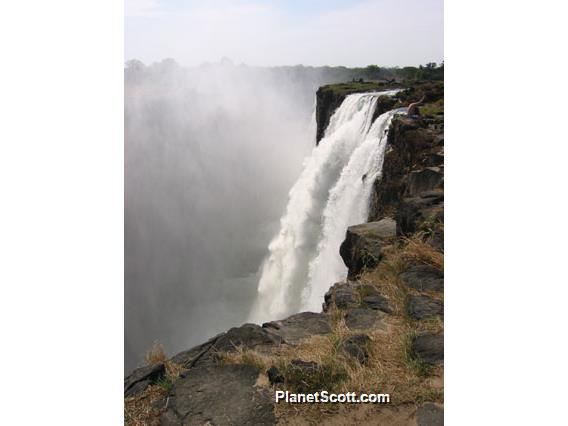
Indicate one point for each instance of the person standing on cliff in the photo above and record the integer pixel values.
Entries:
(413, 107)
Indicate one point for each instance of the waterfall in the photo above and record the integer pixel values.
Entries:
(331, 194)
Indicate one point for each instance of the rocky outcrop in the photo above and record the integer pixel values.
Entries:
(362, 247)
(429, 348)
(298, 327)
(143, 377)
(224, 395)
(423, 278)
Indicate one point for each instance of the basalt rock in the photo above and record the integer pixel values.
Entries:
(362, 247)
(143, 377)
(429, 348)
(363, 319)
(421, 307)
(424, 180)
(223, 395)
(300, 326)
(423, 278)
(357, 347)
(430, 414)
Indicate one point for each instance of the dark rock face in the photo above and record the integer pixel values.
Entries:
(420, 181)
(343, 295)
(420, 307)
(430, 414)
(362, 245)
(362, 319)
(378, 302)
(413, 164)
(225, 395)
(327, 101)
(357, 347)
(143, 377)
(423, 278)
(299, 326)
(429, 348)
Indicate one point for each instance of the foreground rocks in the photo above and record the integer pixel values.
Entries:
(224, 395)
(297, 327)
(429, 348)
(362, 247)
(143, 377)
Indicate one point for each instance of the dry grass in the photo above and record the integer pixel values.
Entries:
(145, 408)
(389, 369)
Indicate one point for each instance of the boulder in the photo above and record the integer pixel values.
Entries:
(143, 377)
(423, 278)
(221, 395)
(299, 326)
(362, 245)
(430, 414)
(429, 348)
(357, 347)
(362, 319)
(421, 307)
(343, 295)
(378, 302)
(424, 180)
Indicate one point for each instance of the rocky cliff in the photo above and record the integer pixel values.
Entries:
(380, 330)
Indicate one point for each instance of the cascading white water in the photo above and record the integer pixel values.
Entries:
(331, 194)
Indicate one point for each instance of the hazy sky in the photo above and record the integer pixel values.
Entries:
(286, 32)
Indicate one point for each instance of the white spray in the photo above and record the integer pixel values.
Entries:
(331, 194)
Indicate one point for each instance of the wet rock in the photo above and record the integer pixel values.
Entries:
(378, 302)
(357, 346)
(430, 414)
(361, 319)
(299, 326)
(423, 278)
(429, 348)
(274, 375)
(424, 180)
(362, 245)
(143, 377)
(221, 395)
(421, 307)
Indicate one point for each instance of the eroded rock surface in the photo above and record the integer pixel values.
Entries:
(224, 395)
(300, 326)
(143, 377)
(424, 278)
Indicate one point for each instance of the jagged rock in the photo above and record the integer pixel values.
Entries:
(429, 348)
(274, 375)
(424, 180)
(378, 302)
(362, 319)
(221, 395)
(299, 326)
(343, 295)
(357, 346)
(143, 377)
(423, 278)
(362, 245)
(430, 414)
(436, 194)
(420, 307)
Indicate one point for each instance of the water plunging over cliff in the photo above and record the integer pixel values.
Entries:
(331, 194)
